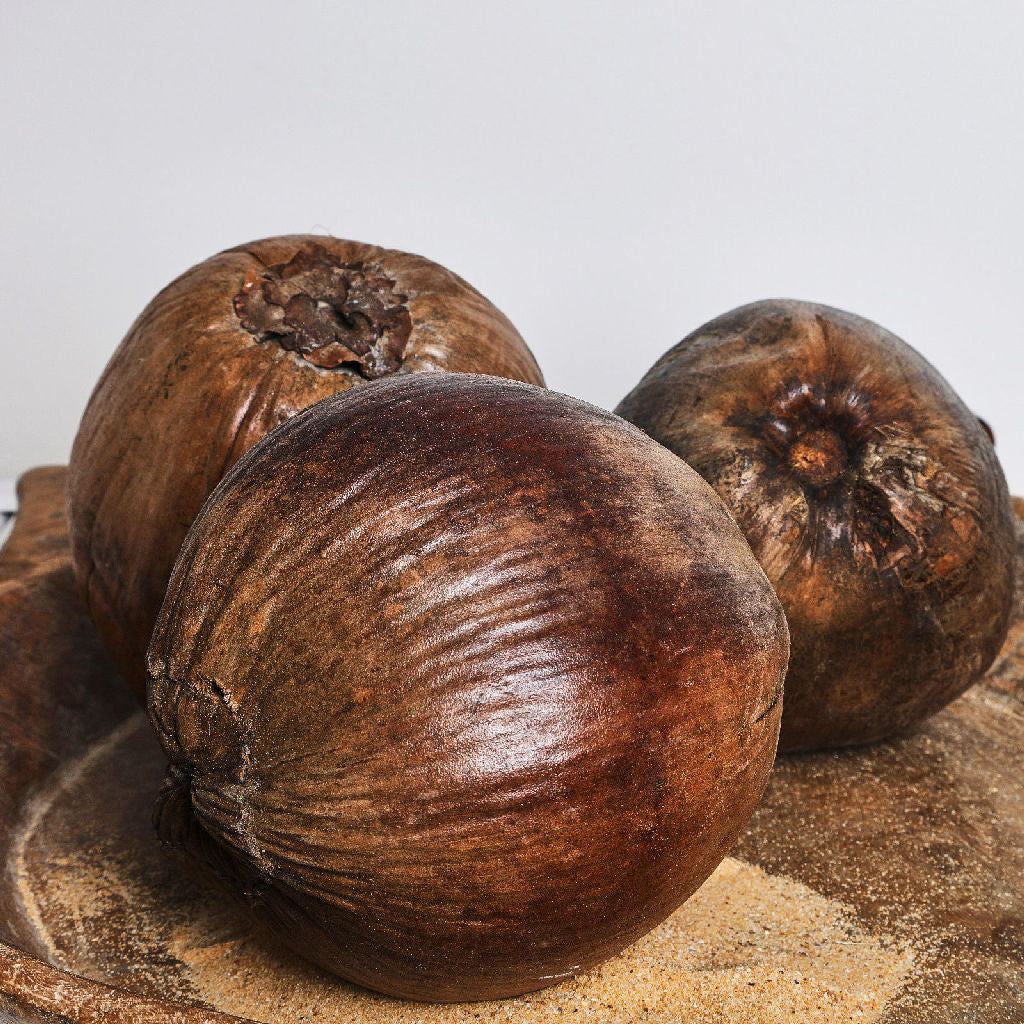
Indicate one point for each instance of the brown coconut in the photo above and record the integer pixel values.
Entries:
(465, 685)
(224, 354)
(869, 492)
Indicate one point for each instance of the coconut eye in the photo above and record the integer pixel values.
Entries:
(818, 457)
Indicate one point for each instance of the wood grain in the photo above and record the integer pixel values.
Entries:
(912, 850)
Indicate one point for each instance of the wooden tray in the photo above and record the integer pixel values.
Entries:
(881, 884)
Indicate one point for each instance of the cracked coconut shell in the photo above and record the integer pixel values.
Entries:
(869, 492)
(465, 685)
(224, 354)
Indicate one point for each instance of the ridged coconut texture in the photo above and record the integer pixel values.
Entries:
(871, 495)
(465, 685)
(221, 356)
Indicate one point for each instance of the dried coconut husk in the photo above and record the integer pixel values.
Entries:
(226, 352)
(869, 492)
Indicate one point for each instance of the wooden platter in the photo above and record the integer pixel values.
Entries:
(880, 884)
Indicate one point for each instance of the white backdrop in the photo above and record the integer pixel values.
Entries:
(610, 175)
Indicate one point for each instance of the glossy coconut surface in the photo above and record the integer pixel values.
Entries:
(465, 685)
(224, 354)
(868, 491)
(879, 884)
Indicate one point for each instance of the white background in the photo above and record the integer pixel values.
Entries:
(610, 175)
